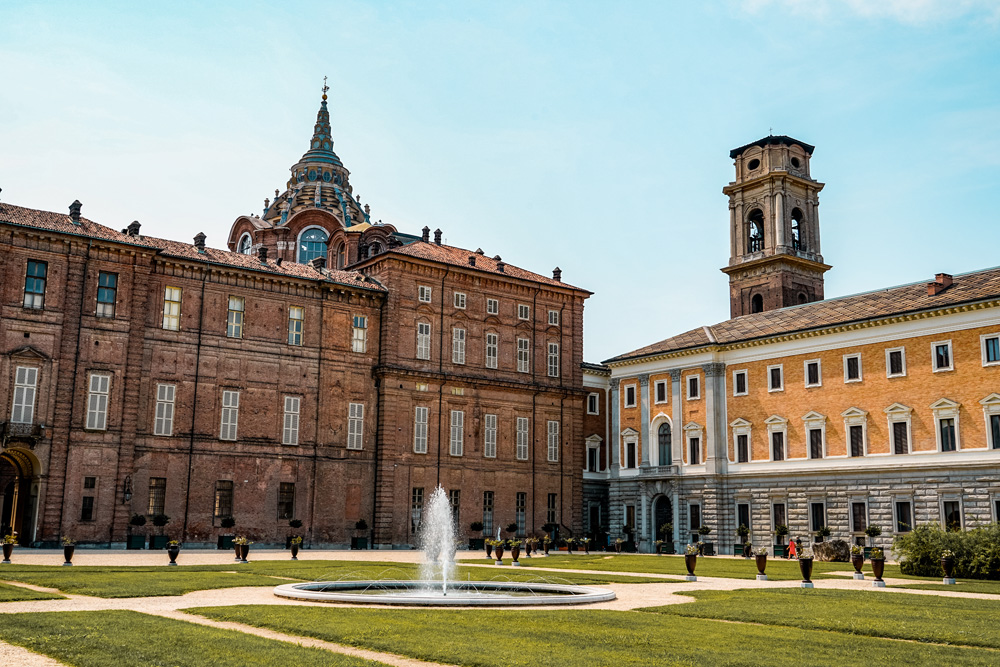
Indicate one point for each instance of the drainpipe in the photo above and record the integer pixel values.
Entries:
(441, 372)
(378, 420)
(194, 405)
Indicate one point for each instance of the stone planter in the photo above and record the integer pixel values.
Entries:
(806, 568)
(136, 542)
(690, 560)
(68, 554)
(515, 553)
(226, 542)
(498, 552)
(489, 550)
(878, 567)
(858, 562)
(8, 549)
(295, 551)
(780, 551)
(359, 542)
(947, 566)
(476, 543)
(238, 548)
(158, 541)
(173, 552)
(761, 566)
(618, 547)
(244, 550)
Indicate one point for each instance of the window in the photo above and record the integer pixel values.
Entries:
(359, 334)
(664, 443)
(593, 458)
(22, 410)
(164, 422)
(553, 360)
(312, 244)
(223, 499)
(172, 308)
(630, 454)
(492, 306)
(234, 321)
(423, 340)
(755, 231)
(286, 500)
(458, 346)
(296, 315)
(817, 516)
(991, 349)
(490, 436)
(859, 517)
(900, 438)
(157, 495)
(553, 441)
(775, 378)
(107, 294)
(904, 516)
(457, 432)
(660, 391)
(852, 368)
(743, 515)
(230, 415)
(694, 446)
(694, 521)
(693, 387)
(946, 413)
(97, 402)
(521, 502)
(492, 345)
(941, 356)
(857, 435)
(757, 304)
(742, 448)
(778, 446)
(815, 443)
(522, 438)
(459, 300)
(420, 429)
(245, 244)
(593, 404)
(416, 508)
(895, 362)
(550, 508)
(995, 430)
(523, 312)
(523, 356)
(290, 428)
(487, 512)
(951, 515)
(778, 515)
(813, 373)
(87, 509)
(946, 430)
(797, 231)
(630, 396)
(355, 425)
(739, 383)
(553, 318)
(455, 500)
(423, 294)
(34, 284)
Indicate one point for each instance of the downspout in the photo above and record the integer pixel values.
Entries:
(378, 418)
(319, 393)
(441, 372)
(534, 381)
(194, 405)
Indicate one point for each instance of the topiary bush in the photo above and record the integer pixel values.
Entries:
(977, 551)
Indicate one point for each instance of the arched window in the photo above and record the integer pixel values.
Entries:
(341, 256)
(803, 298)
(243, 247)
(312, 244)
(757, 304)
(374, 248)
(755, 231)
(663, 439)
(797, 229)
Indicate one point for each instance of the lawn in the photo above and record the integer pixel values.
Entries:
(131, 639)
(962, 586)
(924, 618)
(495, 638)
(10, 593)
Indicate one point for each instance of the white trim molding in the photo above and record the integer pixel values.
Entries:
(776, 424)
(694, 430)
(855, 417)
(746, 382)
(888, 365)
(991, 407)
(741, 427)
(815, 421)
(897, 412)
(819, 372)
(861, 373)
(982, 345)
(951, 356)
(945, 408)
(781, 372)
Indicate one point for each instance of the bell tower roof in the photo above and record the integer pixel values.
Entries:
(321, 145)
(773, 140)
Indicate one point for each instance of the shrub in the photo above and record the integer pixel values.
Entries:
(160, 520)
(743, 530)
(361, 524)
(137, 520)
(977, 551)
(704, 530)
(512, 527)
(824, 531)
(228, 522)
(781, 530)
(476, 526)
(295, 523)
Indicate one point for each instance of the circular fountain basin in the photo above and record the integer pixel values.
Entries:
(459, 593)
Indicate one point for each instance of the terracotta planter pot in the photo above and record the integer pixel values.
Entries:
(690, 560)
(295, 551)
(806, 568)
(878, 567)
(947, 565)
(68, 554)
(498, 552)
(173, 552)
(761, 563)
(515, 553)
(8, 549)
(858, 562)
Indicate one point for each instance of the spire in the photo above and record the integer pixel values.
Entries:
(321, 146)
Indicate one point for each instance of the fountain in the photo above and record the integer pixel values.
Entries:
(437, 585)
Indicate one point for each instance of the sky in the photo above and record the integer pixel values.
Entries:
(592, 136)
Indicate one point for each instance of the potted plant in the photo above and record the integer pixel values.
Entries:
(476, 542)
(780, 532)
(618, 544)
(743, 532)
(707, 548)
(226, 541)
(585, 541)
(159, 541)
(295, 524)
(666, 538)
(498, 551)
(690, 560)
(69, 546)
(243, 546)
(8, 547)
(806, 567)
(136, 541)
(872, 531)
(947, 564)
(858, 560)
(822, 533)
(515, 551)
(296, 543)
(760, 555)
(360, 542)
(512, 528)
(488, 543)
(878, 565)
(569, 542)
(173, 548)
(546, 543)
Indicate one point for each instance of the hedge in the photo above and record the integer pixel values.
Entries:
(977, 551)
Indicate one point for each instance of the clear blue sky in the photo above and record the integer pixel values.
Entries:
(590, 135)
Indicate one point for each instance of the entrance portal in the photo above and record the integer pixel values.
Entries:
(663, 512)
(16, 503)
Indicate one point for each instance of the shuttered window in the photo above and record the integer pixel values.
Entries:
(553, 440)
(355, 425)
(290, 428)
(25, 389)
(164, 424)
(457, 432)
(230, 415)
(522, 438)
(97, 402)
(420, 430)
(490, 436)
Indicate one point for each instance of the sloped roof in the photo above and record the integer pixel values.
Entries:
(773, 140)
(966, 288)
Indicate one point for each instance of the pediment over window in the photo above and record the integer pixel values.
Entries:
(945, 404)
(28, 352)
(854, 412)
(594, 439)
(775, 420)
(992, 399)
(898, 409)
(739, 423)
(692, 426)
(813, 416)
(629, 432)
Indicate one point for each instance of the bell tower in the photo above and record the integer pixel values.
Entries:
(774, 250)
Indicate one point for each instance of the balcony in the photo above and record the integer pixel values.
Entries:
(658, 472)
(14, 433)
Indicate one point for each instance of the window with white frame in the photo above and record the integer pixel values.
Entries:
(777, 435)
(423, 340)
(952, 516)
(490, 436)
(34, 284)
(22, 410)
(693, 437)
(492, 306)
(359, 334)
(423, 294)
(694, 521)
(898, 416)
(775, 378)
(991, 411)
(630, 396)
(97, 401)
(593, 462)
(813, 372)
(815, 425)
(290, 425)
(523, 355)
(941, 359)
(553, 360)
(487, 512)
(817, 515)
(521, 430)
(460, 300)
(741, 440)
(164, 421)
(902, 515)
(420, 416)
(990, 344)
(693, 383)
(593, 404)
(230, 415)
(296, 317)
(172, 308)
(457, 432)
(946, 422)
(895, 362)
(492, 347)
(852, 368)
(859, 516)
(523, 311)
(553, 318)
(553, 440)
(631, 452)
(740, 383)
(660, 391)
(107, 294)
(856, 428)
(355, 425)
(458, 346)
(234, 319)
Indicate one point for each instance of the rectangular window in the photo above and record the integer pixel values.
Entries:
(694, 444)
(490, 436)
(34, 284)
(941, 353)
(487, 512)
(286, 500)
(743, 515)
(593, 404)
(815, 443)
(630, 396)
(359, 334)
(460, 300)
(457, 432)
(740, 383)
(852, 368)
(952, 515)
(492, 306)
(230, 415)
(778, 445)
(455, 500)
(157, 495)
(290, 427)
(223, 498)
(553, 440)
(857, 440)
(778, 515)
(87, 509)
(904, 516)
(694, 521)
(593, 459)
(420, 429)
(234, 320)
(492, 344)
(693, 387)
(742, 448)
(107, 294)
(550, 509)
(458, 346)
(423, 340)
(172, 308)
(817, 516)
(97, 402)
(22, 410)
(523, 356)
(813, 376)
(859, 517)
(519, 507)
(630, 454)
(775, 378)
(296, 318)
(523, 311)
(553, 360)
(553, 318)
(661, 391)
(991, 349)
(416, 508)
(995, 431)
(522, 438)
(424, 294)
(895, 362)
(355, 425)
(164, 423)
(947, 429)
(900, 438)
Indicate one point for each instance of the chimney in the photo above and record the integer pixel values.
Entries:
(133, 228)
(557, 274)
(317, 263)
(472, 260)
(262, 254)
(74, 212)
(199, 242)
(500, 266)
(942, 281)
(437, 236)
(278, 261)
(426, 236)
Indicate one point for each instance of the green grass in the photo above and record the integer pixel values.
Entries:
(131, 639)
(963, 586)
(922, 618)
(569, 638)
(10, 593)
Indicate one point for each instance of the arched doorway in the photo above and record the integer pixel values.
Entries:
(663, 512)
(17, 504)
